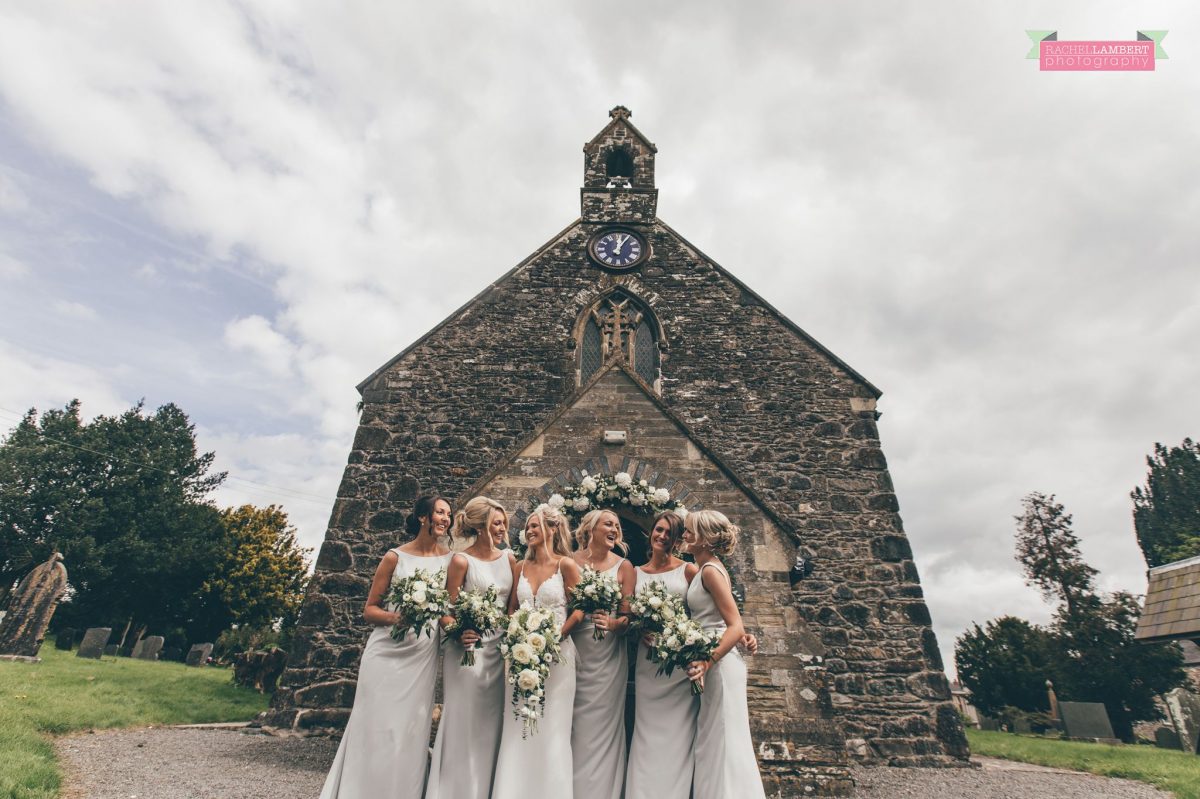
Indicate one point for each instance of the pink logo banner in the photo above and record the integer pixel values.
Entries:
(1097, 56)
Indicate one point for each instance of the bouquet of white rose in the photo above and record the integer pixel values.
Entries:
(480, 611)
(593, 592)
(652, 608)
(681, 642)
(530, 645)
(419, 598)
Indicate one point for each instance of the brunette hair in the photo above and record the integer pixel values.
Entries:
(554, 523)
(714, 529)
(422, 509)
(674, 526)
(475, 516)
(583, 533)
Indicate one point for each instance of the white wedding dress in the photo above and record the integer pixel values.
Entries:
(476, 699)
(725, 763)
(661, 759)
(539, 766)
(383, 750)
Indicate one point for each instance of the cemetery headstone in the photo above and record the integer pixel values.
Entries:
(1184, 709)
(30, 609)
(1088, 720)
(1021, 725)
(1165, 738)
(148, 648)
(199, 654)
(93, 643)
(64, 639)
(988, 723)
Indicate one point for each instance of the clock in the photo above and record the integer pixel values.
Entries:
(617, 248)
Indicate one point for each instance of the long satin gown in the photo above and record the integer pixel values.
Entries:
(539, 765)
(661, 759)
(725, 763)
(383, 750)
(598, 728)
(476, 699)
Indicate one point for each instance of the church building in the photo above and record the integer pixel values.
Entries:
(619, 346)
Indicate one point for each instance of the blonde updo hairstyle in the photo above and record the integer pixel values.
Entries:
(714, 531)
(555, 523)
(583, 533)
(474, 518)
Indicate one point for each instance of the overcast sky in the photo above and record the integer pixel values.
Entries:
(246, 208)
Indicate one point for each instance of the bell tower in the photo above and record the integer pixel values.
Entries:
(618, 174)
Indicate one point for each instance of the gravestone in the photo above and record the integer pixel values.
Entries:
(64, 639)
(148, 648)
(1184, 709)
(988, 723)
(1165, 738)
(93, 643)
(199, 654)
(30, 609)
(1088, 720)
(1021, 726)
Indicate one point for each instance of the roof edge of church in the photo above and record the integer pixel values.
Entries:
(854, 373)
(457, 311)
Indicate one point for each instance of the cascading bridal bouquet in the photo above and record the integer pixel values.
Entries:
(530, 645)
(480, 611)
(652, 608)
(595, 592)
(419, 598)
(681, 642)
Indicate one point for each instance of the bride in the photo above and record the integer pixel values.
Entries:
(540, 764)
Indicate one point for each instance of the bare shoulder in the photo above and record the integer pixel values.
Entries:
(713, 575)
(626, 569)
(569, 567)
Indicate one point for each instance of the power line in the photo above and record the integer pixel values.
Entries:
(287, 493)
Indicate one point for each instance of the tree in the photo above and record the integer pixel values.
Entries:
(1006, 664)
(1095, 655)
(263, 572)
(1166, 511)
(1048, 551)
(124, 498)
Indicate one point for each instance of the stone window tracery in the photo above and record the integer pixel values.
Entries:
(619, 328)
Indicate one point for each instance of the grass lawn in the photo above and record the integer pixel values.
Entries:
(64, 693)
(1177, 772)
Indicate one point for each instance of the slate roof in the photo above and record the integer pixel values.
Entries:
(1172, 609)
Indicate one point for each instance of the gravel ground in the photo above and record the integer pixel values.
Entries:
(166, 763)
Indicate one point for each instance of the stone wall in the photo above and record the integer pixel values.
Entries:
(793, 428)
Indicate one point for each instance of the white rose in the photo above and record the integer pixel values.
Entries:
(522, 652)
(691, 638)
(556, 501)
(419, 597)
(537, 641)
(672, 642)
(535, 619)
(521, 538)
(528, 679)
(655, 602)
(642, 483)
(661, 496)
(668, 612)
(581, 504)
(418, 585)
(623, 479)
(589, 589)
(588, 484)
(637, 499)
(514, 627)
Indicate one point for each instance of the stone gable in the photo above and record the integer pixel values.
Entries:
(789, 426)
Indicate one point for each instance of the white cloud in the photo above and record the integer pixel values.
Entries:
(74, 310)
(32, 380)
(12, 198)
(254, 334)
(11, 268)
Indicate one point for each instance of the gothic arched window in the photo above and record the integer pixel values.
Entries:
(619, 327)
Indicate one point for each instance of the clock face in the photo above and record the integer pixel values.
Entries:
(618, 248)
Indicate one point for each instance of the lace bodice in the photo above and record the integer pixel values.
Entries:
(551, 595)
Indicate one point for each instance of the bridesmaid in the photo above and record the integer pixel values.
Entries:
(725, 761)
(382, 752)
(664, 728)
(598, 726)
(468, 737)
